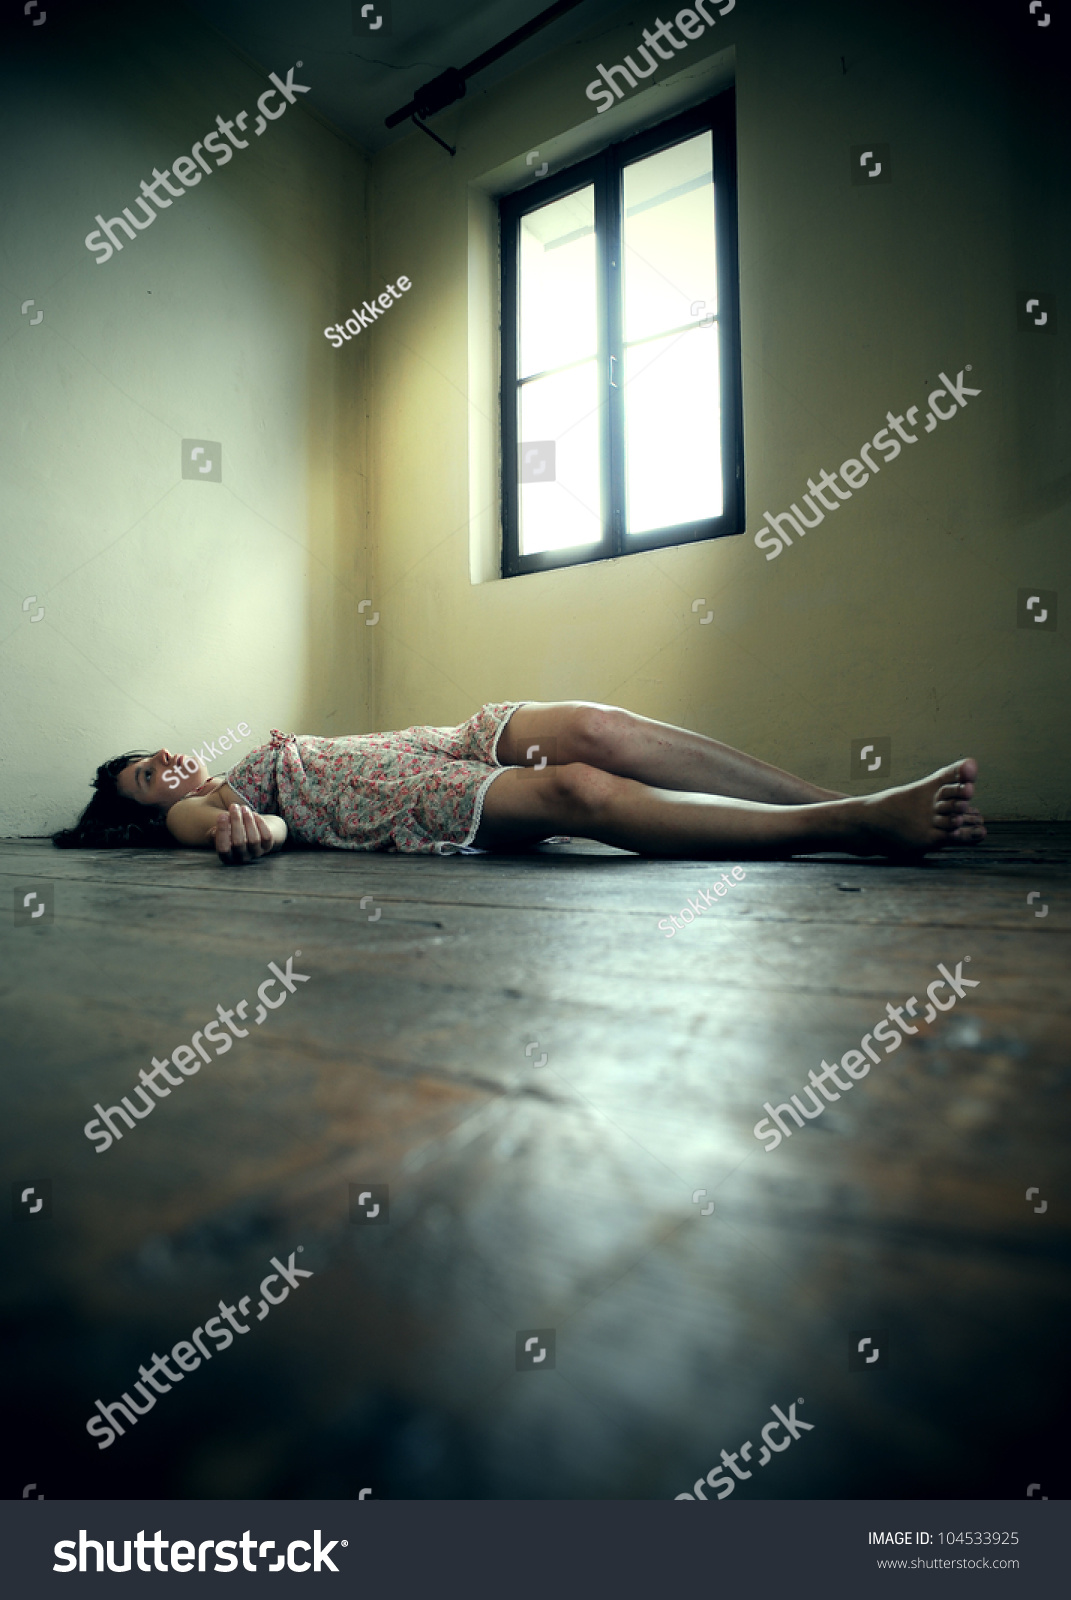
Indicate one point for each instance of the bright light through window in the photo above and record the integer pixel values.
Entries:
(558, 426)
(672, 409)
(621, 349)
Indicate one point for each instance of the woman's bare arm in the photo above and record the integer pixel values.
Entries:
(237, 833)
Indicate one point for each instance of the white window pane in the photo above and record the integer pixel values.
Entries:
(673, 431)
(558, 284)
(558, 461)
(669, 254)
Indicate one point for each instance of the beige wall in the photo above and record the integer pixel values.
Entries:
(173, 609)
(897, 616)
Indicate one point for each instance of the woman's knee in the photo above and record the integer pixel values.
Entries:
(596, 735)
(578, 791)
(525, 805)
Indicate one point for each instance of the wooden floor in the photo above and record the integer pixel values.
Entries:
(543, 1080)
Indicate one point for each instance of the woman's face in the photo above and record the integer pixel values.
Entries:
(162, 778)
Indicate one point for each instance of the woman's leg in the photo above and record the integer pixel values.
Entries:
(656, 753)
(521, 807)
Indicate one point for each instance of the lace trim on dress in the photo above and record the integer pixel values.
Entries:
(505, 725)
(446, 848)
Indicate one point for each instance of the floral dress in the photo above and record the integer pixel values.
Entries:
(419, 790)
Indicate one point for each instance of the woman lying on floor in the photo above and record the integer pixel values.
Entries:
(512, 775)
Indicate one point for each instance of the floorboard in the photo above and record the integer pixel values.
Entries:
(543, 1080)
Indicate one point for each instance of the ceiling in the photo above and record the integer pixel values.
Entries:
(358, 79)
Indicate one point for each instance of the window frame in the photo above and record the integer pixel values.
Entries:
(605, 171)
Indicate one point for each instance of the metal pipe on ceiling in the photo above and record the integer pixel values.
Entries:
(449, 86)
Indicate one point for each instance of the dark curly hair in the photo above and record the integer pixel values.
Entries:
(110, 820)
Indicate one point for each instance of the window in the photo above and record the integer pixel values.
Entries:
(620, 350)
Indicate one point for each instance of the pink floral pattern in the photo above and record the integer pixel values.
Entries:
(419, 790)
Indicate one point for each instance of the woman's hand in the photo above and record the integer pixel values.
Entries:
(241, 835)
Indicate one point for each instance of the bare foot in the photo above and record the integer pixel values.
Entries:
(917, 817)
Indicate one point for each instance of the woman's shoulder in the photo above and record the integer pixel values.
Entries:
(192, 819)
